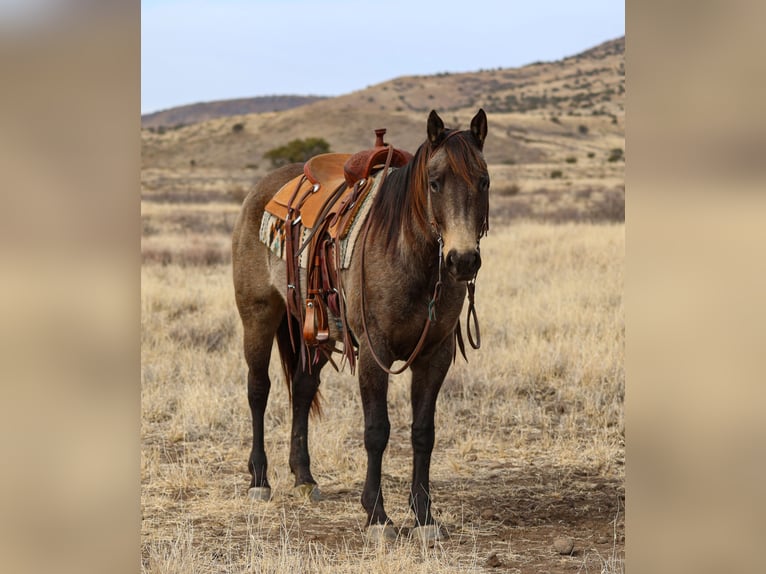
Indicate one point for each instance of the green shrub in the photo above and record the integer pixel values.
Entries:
(557, 174)
(297, 150)
(571, 159)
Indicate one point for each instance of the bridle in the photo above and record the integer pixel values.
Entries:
(471, 316)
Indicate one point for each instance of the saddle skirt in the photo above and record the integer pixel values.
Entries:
(322, 175)
(273, 226)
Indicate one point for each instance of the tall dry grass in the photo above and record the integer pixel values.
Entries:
(534, 419)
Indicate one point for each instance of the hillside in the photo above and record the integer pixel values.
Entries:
(195, 113)
(553, 126)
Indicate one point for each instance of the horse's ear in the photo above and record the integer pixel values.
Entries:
(435, 128)
(479, 127)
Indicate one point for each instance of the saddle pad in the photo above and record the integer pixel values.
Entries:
(272, 230)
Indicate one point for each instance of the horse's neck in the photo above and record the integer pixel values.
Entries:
(418, 260)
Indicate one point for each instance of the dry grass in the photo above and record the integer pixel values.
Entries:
(530, 433)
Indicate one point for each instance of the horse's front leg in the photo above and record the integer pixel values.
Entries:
(428, 374)
(373, 385)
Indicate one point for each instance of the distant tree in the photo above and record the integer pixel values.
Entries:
(297, 150)
(236, 128)
(583, 129)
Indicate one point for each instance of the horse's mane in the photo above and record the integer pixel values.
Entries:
(404, 193)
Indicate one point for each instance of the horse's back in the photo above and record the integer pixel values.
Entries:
(249, 255)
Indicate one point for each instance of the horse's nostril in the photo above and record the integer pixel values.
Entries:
(463, 264)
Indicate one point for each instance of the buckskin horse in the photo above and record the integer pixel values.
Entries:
(395, 294)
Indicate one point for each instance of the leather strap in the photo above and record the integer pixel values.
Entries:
(471, 317)
(348, 337)
(293, 275)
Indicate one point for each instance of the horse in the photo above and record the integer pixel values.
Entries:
(404, 292)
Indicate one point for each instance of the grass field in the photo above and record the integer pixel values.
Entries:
(529, 440)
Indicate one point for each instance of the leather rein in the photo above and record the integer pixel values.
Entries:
(471, 316)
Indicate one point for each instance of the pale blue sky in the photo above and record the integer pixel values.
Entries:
(201, 50)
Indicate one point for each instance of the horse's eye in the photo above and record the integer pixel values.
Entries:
(433, 185)
(484, 183)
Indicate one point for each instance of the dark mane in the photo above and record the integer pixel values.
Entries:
(401, 204)
(402, 194)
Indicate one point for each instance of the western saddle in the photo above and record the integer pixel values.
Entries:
(317, 209)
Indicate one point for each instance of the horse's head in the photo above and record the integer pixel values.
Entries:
(458, 192)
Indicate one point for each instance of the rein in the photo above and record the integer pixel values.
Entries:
(471, 317)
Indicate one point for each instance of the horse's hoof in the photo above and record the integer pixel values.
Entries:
(308, 491)
(381, 533)
(429, 534)
(259, 493)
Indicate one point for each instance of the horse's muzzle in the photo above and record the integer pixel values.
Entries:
(463, 265)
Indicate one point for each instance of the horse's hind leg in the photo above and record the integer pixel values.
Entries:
(304, 386)
(261, 308)
(260, 321)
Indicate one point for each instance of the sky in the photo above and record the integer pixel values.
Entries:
(203, 50)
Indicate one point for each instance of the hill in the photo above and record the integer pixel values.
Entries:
(553, 126)
(195, 113)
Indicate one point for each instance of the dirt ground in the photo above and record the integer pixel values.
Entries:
(499, 517)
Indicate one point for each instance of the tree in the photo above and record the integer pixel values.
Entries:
(297, 150)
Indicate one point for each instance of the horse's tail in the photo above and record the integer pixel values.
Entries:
(289, 346)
